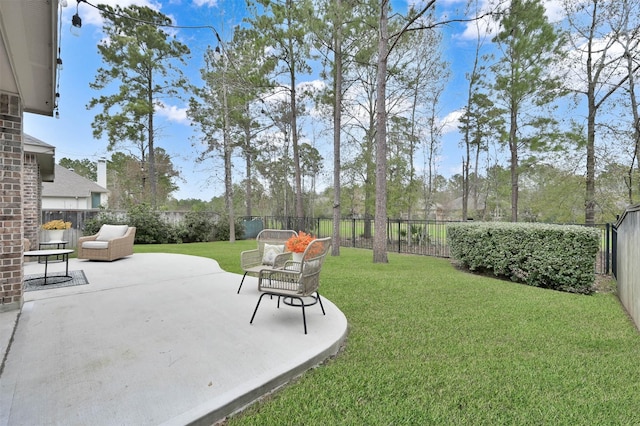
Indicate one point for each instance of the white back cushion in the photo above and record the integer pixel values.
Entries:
(109, 232)
(270, 253)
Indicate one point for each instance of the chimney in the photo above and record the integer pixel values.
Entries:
(102, 172)
(101, 180)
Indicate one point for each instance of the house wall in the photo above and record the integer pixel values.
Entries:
(11, 196)
(66, 203)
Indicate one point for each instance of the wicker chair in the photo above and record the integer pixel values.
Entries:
(110, 243)
(253, 261)
(297, 280)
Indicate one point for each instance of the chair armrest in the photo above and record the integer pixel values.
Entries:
(250, 258)
(87, 238)
(292, 265)
(126, 240)
(281, 259)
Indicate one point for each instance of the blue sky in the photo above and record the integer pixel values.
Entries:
(71, 134)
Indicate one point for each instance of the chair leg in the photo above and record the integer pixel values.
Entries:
(304, 317)
(256, 309)
(245, 274)
(321, 305)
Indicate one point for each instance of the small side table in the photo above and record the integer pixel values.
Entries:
(46, 254)
(60, 244)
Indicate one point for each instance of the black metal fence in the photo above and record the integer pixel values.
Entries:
(422, 237)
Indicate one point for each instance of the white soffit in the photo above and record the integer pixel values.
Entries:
(28, 33)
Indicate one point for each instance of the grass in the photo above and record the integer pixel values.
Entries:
(429, 344)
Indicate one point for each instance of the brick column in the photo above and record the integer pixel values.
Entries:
(11, 218)
(31, 199)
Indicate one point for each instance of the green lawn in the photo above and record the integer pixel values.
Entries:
(432, 345)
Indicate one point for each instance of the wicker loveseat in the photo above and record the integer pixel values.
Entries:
(110, 243)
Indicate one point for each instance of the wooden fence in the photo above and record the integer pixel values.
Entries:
(626, 255)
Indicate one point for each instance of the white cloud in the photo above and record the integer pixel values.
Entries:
(575, 62)
(554, 10)
(207, 3)
(173, 113)
(488, 25)
(451, 121)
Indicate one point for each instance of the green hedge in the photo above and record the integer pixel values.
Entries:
(151, 229)
(559, 257)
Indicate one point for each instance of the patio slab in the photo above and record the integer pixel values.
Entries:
(153, 339)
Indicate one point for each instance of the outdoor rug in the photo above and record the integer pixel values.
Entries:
(54, 280)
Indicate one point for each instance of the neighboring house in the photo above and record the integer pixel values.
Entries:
(28, 71)
(70, 191)
(39, 167)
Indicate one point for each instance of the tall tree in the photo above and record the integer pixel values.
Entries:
(478, 120)
(212, 115)
(380, 219)
(422, 75)
(332, 33)
(593, 24)
(84, 167)
(144, 60)
(524, 85)
(386, 44)
(126, 179)
(248, 71)
(283, 28)
(629, 38)
(223, 110)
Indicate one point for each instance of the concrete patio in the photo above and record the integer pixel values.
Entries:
(152, 339)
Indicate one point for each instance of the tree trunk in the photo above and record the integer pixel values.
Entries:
(590, 196)
(337, 122)
(228, 184)
(475, 178)
(380, 220)
(248, 176)
(152, 155)
(513, 147)
(628, 54)
(294, 128)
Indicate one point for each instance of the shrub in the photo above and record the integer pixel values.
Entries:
(221, 229)
(550, 256)
(150, 228)
(197, 227)
(92, 226)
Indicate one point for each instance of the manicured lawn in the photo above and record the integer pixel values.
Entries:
(432, 345)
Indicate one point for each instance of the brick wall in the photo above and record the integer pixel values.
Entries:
(32, 200)
(11, 216)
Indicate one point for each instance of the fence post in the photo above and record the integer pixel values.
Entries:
(353, 232)
(399, 236)
(607, 249)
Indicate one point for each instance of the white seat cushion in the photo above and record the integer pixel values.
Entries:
(109, 232)
(95, 244)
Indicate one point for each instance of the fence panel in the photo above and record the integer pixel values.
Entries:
(421, 237)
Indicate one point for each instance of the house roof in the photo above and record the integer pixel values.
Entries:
(45, 156)
(70, 184)
(29, 52)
